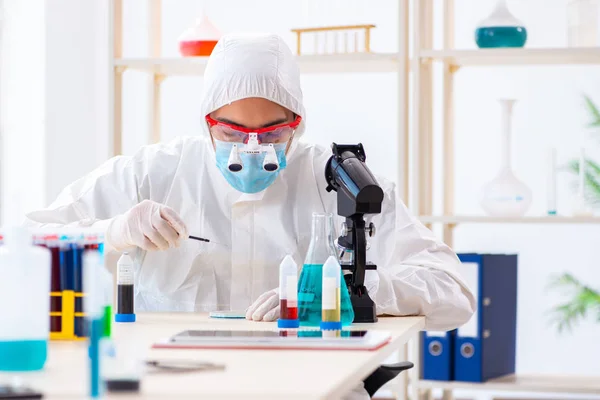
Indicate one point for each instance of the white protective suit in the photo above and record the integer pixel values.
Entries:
(416, 274)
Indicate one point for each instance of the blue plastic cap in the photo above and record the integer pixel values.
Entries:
(288, 323)
(331, 326)
(124, 317)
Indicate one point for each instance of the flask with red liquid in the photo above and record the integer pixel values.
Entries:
(288, 294)
(200, 39)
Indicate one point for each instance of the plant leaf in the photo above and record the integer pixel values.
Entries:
(563, 280)
(594, 112)
(584, 300)
(592, 179)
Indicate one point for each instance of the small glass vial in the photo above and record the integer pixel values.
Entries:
(331, 303)
(288, 294)
(125, 306)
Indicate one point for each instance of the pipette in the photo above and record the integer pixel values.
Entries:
(204, 240)
(199, 239)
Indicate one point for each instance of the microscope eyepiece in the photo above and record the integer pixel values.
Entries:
(346, 172)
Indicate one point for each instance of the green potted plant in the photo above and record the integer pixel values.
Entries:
(583, 301)
(592, 171)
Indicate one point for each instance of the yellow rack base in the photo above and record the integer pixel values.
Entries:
(67, 315)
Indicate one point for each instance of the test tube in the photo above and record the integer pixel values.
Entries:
(331, 298)
(77, 252)
(551, 182)
(288, 294)
(67, 271)
(109, 294)
(93, 306)
(52, 241)
(125, 306)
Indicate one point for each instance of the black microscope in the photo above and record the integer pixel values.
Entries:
(358, 193)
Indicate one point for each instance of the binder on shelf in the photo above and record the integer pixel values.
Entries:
(485, 346)
(437, 355)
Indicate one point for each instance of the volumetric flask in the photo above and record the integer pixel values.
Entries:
(310, 284)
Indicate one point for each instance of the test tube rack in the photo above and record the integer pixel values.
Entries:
(67, 315)
(347, 33)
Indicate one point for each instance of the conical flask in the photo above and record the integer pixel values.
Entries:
(311, 277)
(500, 29)
(506, 195)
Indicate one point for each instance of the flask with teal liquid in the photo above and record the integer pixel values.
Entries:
(24, 295)
(500, 29)
(310, 284)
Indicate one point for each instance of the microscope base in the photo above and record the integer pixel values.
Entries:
(364, 308)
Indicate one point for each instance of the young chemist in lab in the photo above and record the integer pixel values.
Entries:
(154, 199)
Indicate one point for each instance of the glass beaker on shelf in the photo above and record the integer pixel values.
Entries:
(200, 39)
(582, 23)
(506, 195)
(500, 29)
(311, 278)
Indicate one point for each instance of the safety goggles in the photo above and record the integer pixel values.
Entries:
(236, 134)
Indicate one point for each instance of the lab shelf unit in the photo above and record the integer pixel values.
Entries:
(522, 56)
(309, 64)
(421, 191)
(525, 383)
(482, 219)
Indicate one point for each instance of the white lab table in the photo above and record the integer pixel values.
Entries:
(248, 374)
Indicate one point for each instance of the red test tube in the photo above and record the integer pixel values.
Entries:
(288, 294)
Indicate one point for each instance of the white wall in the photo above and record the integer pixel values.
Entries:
(76, 69)
(360, 108)
(53, 74)
(22, 118)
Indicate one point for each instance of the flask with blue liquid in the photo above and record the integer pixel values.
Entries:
(500, 29)
(310, 284)
(24, 295)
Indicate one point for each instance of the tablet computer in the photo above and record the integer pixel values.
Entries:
(284, 339)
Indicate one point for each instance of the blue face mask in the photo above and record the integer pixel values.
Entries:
(253, 177)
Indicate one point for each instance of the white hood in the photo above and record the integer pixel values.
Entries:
(252, 65)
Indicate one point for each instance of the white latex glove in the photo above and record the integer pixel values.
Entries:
(148, 225)
(265, 308)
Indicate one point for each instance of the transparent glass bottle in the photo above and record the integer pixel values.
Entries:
(506, 195)
(24, 289)
(500, 29)
(311, 278)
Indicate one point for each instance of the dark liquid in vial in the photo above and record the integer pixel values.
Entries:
(287, 312)
(55, 286)
(125, 299)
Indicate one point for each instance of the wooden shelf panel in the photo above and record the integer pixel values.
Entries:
(525, 56)
(545, 219)
(309, 64)
(525, 383)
